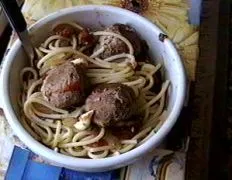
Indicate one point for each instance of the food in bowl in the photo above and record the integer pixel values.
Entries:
(92, 93)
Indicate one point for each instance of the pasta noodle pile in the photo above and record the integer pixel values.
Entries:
(56, 128)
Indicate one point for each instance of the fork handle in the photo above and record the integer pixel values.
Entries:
(14, 14)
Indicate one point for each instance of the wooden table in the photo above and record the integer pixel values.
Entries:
(207, 155)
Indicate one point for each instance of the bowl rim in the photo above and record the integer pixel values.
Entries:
(83, 163)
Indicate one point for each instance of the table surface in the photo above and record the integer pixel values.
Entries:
(208, 155)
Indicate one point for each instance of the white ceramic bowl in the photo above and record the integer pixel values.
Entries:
(95, 17)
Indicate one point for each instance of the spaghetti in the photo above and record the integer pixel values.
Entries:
(55, 127)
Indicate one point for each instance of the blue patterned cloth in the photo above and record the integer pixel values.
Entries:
(22, 167)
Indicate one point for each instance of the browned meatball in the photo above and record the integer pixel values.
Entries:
(112, 104)
(64, 85)
(114, 45)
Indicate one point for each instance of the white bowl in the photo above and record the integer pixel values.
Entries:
(93, 16)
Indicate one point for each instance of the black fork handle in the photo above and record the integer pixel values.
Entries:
(14, 14)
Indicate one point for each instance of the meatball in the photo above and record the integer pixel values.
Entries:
(114, 45)
(64, 85)
(112, 104)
